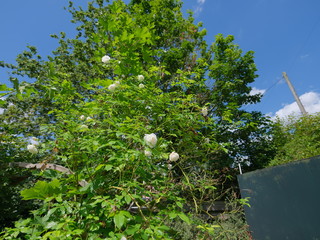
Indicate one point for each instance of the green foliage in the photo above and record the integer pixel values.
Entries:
(133, 69)
(12, 206)
(296, 138)
(244, 134)
(230, 224)
(13, 180)
(42, 190)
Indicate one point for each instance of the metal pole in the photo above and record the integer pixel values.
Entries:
(240, 170)
(301, 107)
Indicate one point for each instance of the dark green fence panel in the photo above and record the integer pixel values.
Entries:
(285, 200)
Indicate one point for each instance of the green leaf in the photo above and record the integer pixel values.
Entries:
(99, 167)
(184, 218)
(132, 229)
(164, 228)
(4, 87)
(42, 190)
(51, 225)
(119, 219)
(179, 204)
(172, 215)
(127, 199)
(108, 167)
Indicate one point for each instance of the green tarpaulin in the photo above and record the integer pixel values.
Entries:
(285, 200)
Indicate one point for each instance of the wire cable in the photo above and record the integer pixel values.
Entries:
(304, 44)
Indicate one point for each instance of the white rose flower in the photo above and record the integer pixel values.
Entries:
(141, 85)
(147, 153)
(32, 148)
(89, 118)
(82, 117)
(151, 140)
(84, 127)
(112, 87)
(123, 238)
(173, 157)
(105, 59)
(140, 77)
(204, 111)
(169, 166)
(21, 89)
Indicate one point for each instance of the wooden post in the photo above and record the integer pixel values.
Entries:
(301, 107)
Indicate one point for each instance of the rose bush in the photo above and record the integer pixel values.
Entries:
(94, 117)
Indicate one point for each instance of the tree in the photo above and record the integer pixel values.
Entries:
(127, 108)
(296, 138)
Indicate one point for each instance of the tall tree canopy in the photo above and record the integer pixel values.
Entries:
(143, 113)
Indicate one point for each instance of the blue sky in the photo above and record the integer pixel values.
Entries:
(284, 34)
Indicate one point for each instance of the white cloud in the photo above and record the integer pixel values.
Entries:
(304, 56)
(310, 101)
(255, 91)
(199, 8)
